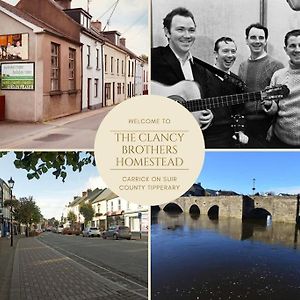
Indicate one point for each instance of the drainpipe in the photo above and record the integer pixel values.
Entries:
(81, 75)
(263, 13)
(102, 62)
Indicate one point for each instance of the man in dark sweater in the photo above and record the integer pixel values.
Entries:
(257, 72)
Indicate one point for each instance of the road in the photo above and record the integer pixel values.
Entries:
(72, 132)
(122, 261)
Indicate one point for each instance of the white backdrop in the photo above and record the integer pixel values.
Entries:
(216, 18)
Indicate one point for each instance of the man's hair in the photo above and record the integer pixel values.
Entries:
(295, 32)
(258, 26)
(224, 39)
(181, 11)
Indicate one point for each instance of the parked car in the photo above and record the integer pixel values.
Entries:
(60, 229)
(117, 232)
(91, 231)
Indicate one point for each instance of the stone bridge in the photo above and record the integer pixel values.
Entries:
(281, 209)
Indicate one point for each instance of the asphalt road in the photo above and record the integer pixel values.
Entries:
(72, 132)
(124, 261)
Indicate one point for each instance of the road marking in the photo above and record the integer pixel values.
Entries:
(142, 288)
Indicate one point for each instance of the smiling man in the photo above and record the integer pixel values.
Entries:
(257, 72)
(285, 131)
(225, 52)
(174, 63)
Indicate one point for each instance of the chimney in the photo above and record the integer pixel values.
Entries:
(89, 192)
(96, 26)
(123, 42)
(64, 4)
(84, 194)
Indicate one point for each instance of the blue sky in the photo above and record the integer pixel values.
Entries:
(50, 194)
(273, 171)
(130, 18)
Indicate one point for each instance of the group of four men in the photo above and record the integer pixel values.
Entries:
(269, 123)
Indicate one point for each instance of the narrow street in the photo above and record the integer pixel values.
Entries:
(73, 267)
(77, 131)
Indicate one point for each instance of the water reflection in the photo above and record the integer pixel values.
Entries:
(195, 257)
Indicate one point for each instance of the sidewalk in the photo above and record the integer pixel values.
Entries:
(12, 131)
(6, 262)
(40, 272)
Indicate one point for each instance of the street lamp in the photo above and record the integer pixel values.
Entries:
(11, 186)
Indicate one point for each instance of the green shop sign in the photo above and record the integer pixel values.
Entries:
(17, 76)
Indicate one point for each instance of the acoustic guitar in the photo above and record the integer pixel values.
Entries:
(188, 94)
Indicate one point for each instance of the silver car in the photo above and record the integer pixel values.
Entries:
(91, 231)
(117, 232)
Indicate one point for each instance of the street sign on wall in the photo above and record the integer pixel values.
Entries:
(17, 76)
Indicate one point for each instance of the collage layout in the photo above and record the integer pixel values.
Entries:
(149, 149)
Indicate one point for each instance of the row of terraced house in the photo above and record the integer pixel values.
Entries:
(56, 61)
(109, 210)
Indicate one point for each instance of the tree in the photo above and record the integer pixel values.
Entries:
(39, 163)
(71, 218)
(144, 57)
(28, 212)
(86, 209)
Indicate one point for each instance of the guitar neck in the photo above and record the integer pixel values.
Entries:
(222, 101)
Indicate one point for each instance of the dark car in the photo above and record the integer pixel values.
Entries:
(117, 232)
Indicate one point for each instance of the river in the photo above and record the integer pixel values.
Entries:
(194, 257)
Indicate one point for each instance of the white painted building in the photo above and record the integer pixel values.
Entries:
(92, 58)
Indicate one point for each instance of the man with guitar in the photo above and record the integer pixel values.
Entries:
(174, 66)
(174, 63)
(257, 72)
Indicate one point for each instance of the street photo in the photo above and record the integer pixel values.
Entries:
(64, 234)
(235, 234)
(64, 65)
(233, 65)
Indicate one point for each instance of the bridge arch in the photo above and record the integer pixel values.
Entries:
(173, 207)
(259, 213)
(213, 212)
(194, 210)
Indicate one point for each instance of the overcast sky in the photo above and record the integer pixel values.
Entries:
(130, 18)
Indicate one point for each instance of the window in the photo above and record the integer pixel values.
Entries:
(72, 54)
(111, 206)
(119, 204)
(123, 89)
(128, 68)
(132, 68)
(55, 67)
(107, 91)
(111, 65)
(119, 88)
(88, 55)
(96, 87)
(97, 59)
(118, 66)
(122, 67)
(105, 63)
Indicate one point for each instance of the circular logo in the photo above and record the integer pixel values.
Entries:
(149, 150)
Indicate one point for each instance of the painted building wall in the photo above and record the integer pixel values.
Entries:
(111, 76)
(138, 80)
(229, 18)
(67, 101)
(91, 71)
(21, 105)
